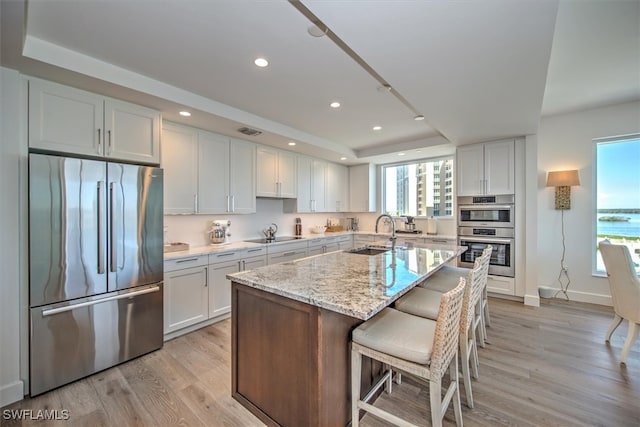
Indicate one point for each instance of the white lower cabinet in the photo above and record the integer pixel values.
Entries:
(185, 293)
(286, 252)
(501, 285)
(225, 263)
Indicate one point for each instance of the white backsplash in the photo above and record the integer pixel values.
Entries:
(192, 229)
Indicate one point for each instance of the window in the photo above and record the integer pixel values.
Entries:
(618, 195)
(417, 189)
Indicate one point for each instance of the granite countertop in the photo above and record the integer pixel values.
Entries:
(233, 246)
(352, 284)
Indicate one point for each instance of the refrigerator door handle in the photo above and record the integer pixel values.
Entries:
(100, 242)
(112, 224)
(53, 311)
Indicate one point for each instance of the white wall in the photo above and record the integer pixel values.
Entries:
(565, 142)
(11, 386)
(192, 228)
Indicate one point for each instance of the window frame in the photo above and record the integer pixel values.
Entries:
(594, 213)
(383, 175)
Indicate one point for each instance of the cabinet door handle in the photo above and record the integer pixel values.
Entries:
(255, 250)
(186, 260)
(109, 142)
(228, 204)
(195, 203)
(233, 203)
(206, 277)
(243, 265)
(99, 141)
(289, 253)
(227, 254)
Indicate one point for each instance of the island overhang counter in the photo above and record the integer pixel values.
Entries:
(292, 323)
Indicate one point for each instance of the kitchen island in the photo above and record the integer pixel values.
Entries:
(292, 323)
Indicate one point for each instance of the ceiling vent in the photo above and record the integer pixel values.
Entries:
(249, 131)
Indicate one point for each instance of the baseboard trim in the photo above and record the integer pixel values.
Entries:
(588, 297)
(10, 393)
(532, 300)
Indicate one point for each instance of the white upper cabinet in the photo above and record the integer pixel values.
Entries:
(337, 188)
(242, 176)
(213, 174)
(311, 183)
(319, 185)
(69, 120)
(362, 188)
(180, 164)
(276, 173)
(486, 169)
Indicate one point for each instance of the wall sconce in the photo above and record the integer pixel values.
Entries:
(563, 180)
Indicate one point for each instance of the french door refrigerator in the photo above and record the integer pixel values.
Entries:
(95, 267)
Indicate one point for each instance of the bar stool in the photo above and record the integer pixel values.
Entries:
(424, 303)
(414, 345)
(446, 278)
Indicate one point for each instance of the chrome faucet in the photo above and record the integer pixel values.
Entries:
(393, 229)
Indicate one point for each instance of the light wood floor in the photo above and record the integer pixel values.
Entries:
(546, 366)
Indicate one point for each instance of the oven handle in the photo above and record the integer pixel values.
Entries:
(483, 207)
(476, 239)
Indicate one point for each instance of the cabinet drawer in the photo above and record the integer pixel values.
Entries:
(225, 256)
(286, 256)
(287, 247)
(501, 285)
(185, 262)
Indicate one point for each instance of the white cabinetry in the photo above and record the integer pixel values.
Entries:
(283, 252)
(486, 168)
(185, 293)
(180, 164)
(337, 188)
(206, 172)
(501, 285)
(311, 182)
(69, 120)
(221, 264)
(362, 188)
(276, 173)
(226, 175)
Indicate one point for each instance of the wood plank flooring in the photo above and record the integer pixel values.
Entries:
(546, 366)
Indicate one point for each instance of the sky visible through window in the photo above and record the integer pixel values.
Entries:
(619, 175)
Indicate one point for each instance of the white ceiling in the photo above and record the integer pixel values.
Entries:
(477, 70)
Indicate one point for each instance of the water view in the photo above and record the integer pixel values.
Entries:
(613, 228)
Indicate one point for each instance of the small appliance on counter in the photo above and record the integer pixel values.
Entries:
(298, 227)
(218, 233)
(270, 233)
(409, 226)
(432, 225)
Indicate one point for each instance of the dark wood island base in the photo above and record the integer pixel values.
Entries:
(290, 360)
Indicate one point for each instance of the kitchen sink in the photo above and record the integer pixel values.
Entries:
(368, 250)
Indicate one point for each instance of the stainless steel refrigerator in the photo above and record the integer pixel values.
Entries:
(96, 266)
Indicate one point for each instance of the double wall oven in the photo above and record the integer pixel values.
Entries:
(483, 221)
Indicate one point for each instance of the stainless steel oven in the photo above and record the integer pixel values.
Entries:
(476, 239)
(486, 211)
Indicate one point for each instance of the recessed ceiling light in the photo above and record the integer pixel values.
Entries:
(400, 154)
(316, 31)
(185, 113)
(418, 117)
(291, 143)
(261, 62)
(343, 158)
(377, 128)
(335, 104)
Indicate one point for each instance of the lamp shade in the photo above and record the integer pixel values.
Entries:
(563, 178)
